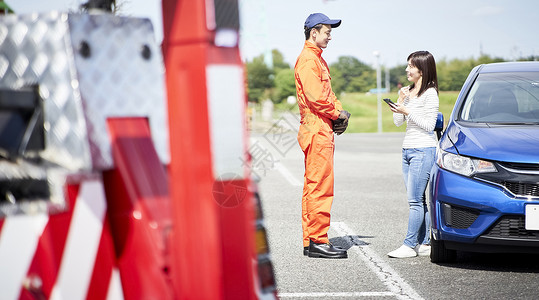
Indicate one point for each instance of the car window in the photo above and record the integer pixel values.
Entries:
(507, 98)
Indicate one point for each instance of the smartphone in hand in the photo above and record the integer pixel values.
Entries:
(389, 102)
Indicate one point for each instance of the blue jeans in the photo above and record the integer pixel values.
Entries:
(416, 167)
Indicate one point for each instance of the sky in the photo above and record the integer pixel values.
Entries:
(394, 28)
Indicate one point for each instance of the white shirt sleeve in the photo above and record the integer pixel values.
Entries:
(398, 119)
(425, 118)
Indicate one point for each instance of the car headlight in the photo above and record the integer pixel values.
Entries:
(463, 165)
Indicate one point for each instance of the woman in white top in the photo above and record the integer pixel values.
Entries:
(418, 107)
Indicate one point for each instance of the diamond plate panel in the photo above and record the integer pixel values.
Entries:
(35, 50)
(121, 74)
(88, 68)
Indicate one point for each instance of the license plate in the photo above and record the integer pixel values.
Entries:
(532, 217)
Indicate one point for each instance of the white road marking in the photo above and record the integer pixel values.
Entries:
(287, 175)
(339, 295)
(398, 288)
(276, 164)
(383, 271)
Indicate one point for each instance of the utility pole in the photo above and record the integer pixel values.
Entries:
(378, 89)
(388, 90)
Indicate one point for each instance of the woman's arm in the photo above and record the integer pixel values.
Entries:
(400, 110)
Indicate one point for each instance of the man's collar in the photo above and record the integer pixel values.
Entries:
(313, 47)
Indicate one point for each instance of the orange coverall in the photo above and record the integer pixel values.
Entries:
(318, 105)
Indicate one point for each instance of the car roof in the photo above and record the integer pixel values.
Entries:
(519, 66)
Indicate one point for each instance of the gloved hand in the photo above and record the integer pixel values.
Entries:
(340, 125)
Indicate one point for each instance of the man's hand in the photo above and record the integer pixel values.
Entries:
(340, 125)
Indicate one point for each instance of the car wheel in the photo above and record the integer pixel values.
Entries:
(439, 253)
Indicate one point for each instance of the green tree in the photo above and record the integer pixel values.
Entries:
(278, 61)
(397, 77)
(275, 83)
(485, 59)
(259, 79)
(349, 74)
(4, 8)
(285, 84)
(529, 58)
(451, 74)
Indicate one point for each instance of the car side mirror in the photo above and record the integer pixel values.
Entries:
(439, 125)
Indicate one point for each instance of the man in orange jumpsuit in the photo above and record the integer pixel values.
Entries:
(319, 109)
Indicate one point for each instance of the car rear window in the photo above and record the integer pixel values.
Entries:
(505, 98)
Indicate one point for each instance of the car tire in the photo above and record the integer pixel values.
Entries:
(439, 253)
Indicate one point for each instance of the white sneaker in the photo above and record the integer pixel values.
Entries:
(403, 252)
(422, 250)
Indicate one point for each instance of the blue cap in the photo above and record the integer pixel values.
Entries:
(318, 18)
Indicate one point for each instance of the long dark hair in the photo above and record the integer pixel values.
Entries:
(424, 62)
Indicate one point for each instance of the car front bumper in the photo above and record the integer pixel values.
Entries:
(473, 215)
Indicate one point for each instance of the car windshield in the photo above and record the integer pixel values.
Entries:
(503, 98)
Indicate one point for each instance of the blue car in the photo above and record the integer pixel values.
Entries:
(484, 186)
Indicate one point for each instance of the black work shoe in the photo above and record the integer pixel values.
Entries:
(325, 251)
(306, 251)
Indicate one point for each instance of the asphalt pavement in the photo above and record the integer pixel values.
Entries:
(369, 218)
